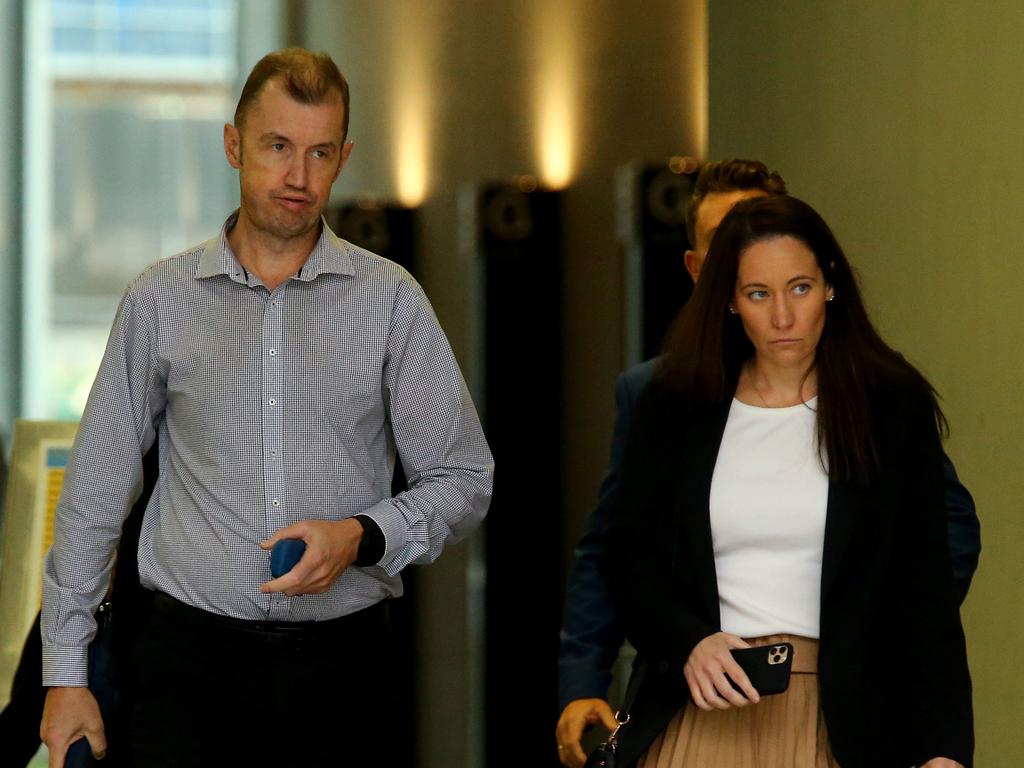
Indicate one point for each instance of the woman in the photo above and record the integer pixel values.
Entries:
(783, 482)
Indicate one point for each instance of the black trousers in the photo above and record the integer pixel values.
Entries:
(211, 691)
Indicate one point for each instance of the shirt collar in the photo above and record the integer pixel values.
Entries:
(330, 255)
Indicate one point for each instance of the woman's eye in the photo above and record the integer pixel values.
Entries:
(758, 295)
(801, 289)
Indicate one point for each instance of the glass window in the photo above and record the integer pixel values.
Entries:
(136, 92)
(166, 39)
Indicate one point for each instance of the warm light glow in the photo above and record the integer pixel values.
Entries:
(412, 107)
(555, 134)
(696, 67)
(526, 184)
(557, 30)
(411, 156)
(678, 164)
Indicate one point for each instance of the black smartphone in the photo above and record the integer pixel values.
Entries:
(767, 666)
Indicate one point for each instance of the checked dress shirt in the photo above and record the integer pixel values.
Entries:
(270, 407)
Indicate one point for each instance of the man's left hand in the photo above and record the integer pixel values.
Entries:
(331, 547)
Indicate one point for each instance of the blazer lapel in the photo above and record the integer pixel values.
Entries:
(840, 520)
(698, 454)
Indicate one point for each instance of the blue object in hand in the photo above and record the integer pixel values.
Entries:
(284, 555)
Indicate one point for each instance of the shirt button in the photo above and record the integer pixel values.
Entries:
(272, 352)
(273, 453)
(276, 503)
(272, 401)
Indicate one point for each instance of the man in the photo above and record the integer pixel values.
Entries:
(590, 636)
(280, 368)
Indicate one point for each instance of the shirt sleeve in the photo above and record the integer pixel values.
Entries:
(964, 529)
(103, 478)
(438, 438)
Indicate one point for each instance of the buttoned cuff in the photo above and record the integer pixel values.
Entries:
(402, 543)
(65, 666)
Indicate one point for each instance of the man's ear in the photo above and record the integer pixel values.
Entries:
(694, 264)
(232, 145)
(346, 150)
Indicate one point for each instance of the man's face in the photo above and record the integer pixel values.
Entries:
(288, 155)
(710, 213)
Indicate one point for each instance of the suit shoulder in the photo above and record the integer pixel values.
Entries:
(635, 379)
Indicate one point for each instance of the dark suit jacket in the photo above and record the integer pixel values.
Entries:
(591, 636)
(895, 688)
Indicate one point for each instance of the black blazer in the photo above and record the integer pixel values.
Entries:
(893, 677)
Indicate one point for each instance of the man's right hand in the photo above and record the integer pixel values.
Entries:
(575, 719)
(331, 547)
(70, 714)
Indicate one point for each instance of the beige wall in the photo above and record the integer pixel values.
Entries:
(462, 91)
(903, 122)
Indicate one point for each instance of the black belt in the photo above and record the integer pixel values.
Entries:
(169, 607)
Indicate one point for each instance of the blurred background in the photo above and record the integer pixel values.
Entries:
(527, 160)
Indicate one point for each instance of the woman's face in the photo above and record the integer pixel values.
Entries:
(780, 298)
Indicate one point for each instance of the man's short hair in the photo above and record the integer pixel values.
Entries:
(729, 176)
(308, 77)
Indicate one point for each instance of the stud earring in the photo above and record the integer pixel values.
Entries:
(830, 297)
(732, 310)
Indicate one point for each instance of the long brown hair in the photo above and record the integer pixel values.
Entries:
(707, 347)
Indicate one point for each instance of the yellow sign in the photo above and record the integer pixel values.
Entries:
(39, 454)
(54, 460)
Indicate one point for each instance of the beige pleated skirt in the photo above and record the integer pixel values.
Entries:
(786, 730)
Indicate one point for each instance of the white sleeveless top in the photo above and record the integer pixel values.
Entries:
(768, 498)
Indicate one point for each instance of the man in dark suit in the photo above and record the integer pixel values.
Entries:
(591, 636)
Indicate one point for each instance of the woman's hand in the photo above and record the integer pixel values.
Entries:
(942, 762)
(707, 667)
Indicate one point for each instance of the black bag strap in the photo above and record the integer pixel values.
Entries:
(635, 681)
(622, 714)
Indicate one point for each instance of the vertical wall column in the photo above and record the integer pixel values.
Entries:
(384, 227)
(11, 72)
(651, 214)
(521, 292)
